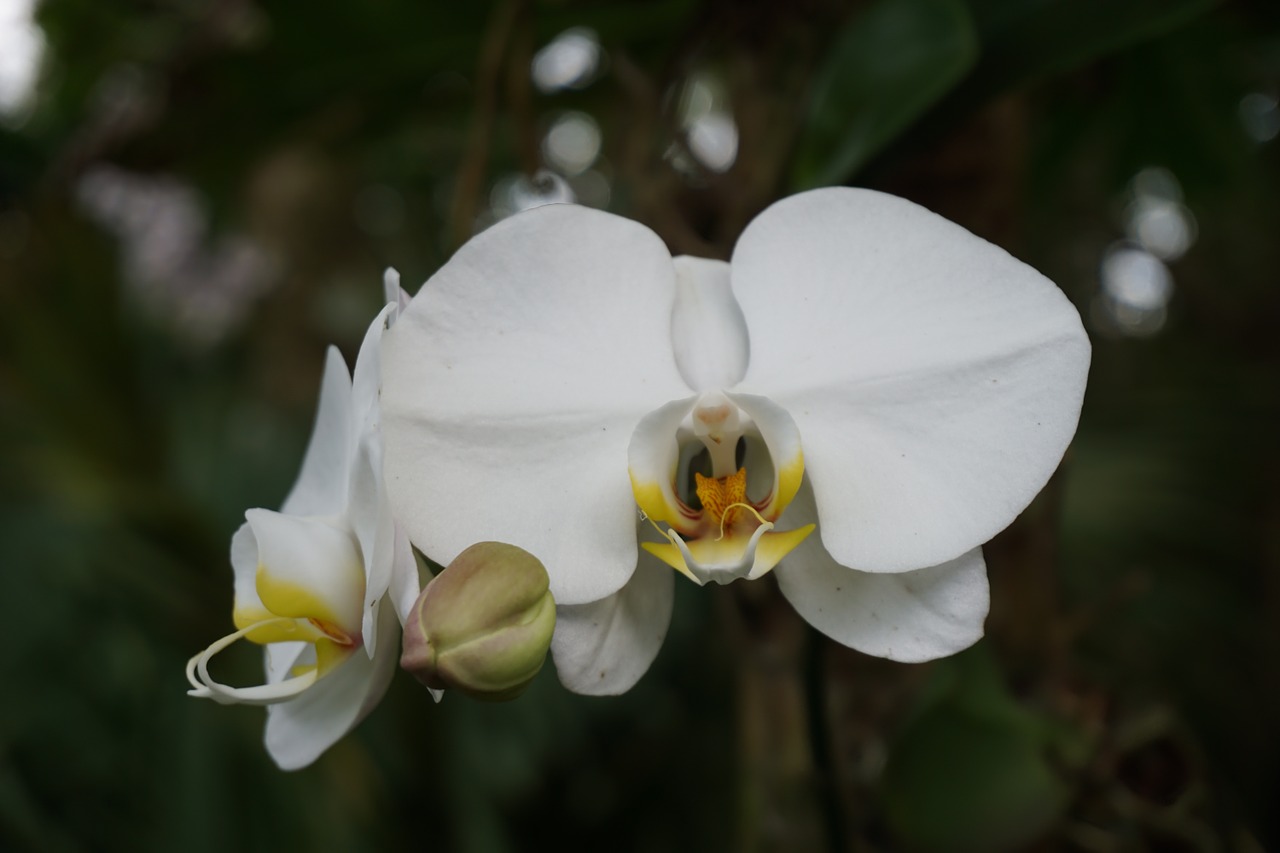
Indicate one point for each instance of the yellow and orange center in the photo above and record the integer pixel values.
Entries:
(722, 496)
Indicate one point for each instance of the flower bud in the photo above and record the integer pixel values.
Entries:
(483, 625)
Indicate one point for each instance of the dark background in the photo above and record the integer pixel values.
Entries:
(197, 196)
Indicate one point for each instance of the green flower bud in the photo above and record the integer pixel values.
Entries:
(483, 625)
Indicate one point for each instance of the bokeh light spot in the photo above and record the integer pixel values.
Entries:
(570, 61)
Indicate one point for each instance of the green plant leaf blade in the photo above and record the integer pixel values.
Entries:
(886, 68)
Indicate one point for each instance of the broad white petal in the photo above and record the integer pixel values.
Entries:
(936, 380)
(708, 332)
(300, 730)
(511, 386)
(308, 569)
(909, 616)
(602, 648)
(321, 487)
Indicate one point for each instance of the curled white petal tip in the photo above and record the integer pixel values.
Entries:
(392, 291)
(321, 487)
(204, 686)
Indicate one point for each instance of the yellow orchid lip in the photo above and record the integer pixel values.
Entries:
(730, 535)
(285, 611)
(723, 560)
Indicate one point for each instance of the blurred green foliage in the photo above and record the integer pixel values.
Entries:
(889, 64)
(1127, 694)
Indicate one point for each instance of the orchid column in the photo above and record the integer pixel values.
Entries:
(878, 392)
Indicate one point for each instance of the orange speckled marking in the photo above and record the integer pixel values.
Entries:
(719, 495)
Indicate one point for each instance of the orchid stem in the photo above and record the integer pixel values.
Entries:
(778, 797)
(520, 91)
(815, 677)
(471, 171)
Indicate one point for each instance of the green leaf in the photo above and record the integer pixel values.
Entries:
(975, 770)
(1033, 38)
(887, 66)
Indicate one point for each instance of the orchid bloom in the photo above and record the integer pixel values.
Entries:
(312, 581)
(876, 392)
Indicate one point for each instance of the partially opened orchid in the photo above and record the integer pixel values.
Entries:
(325, 583)
(864, 396)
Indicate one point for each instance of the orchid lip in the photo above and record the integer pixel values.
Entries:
(728, 559)
(724, 534)
(307, 591)
(725, 572)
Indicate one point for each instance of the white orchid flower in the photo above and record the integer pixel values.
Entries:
(325, 583)
(895, 381)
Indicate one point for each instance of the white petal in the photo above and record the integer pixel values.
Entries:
(936, 380)
(393, 292)
(244, 563)
(369, 510)
(908, 616)
(652, 458)
(300, 730)
(511, 386)
(366, 376)
(308, 569)
(602, 648)
(782, 439)
(279, 658)
(321, 487)
(405, 586)
(708, 332)
(369, 515)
